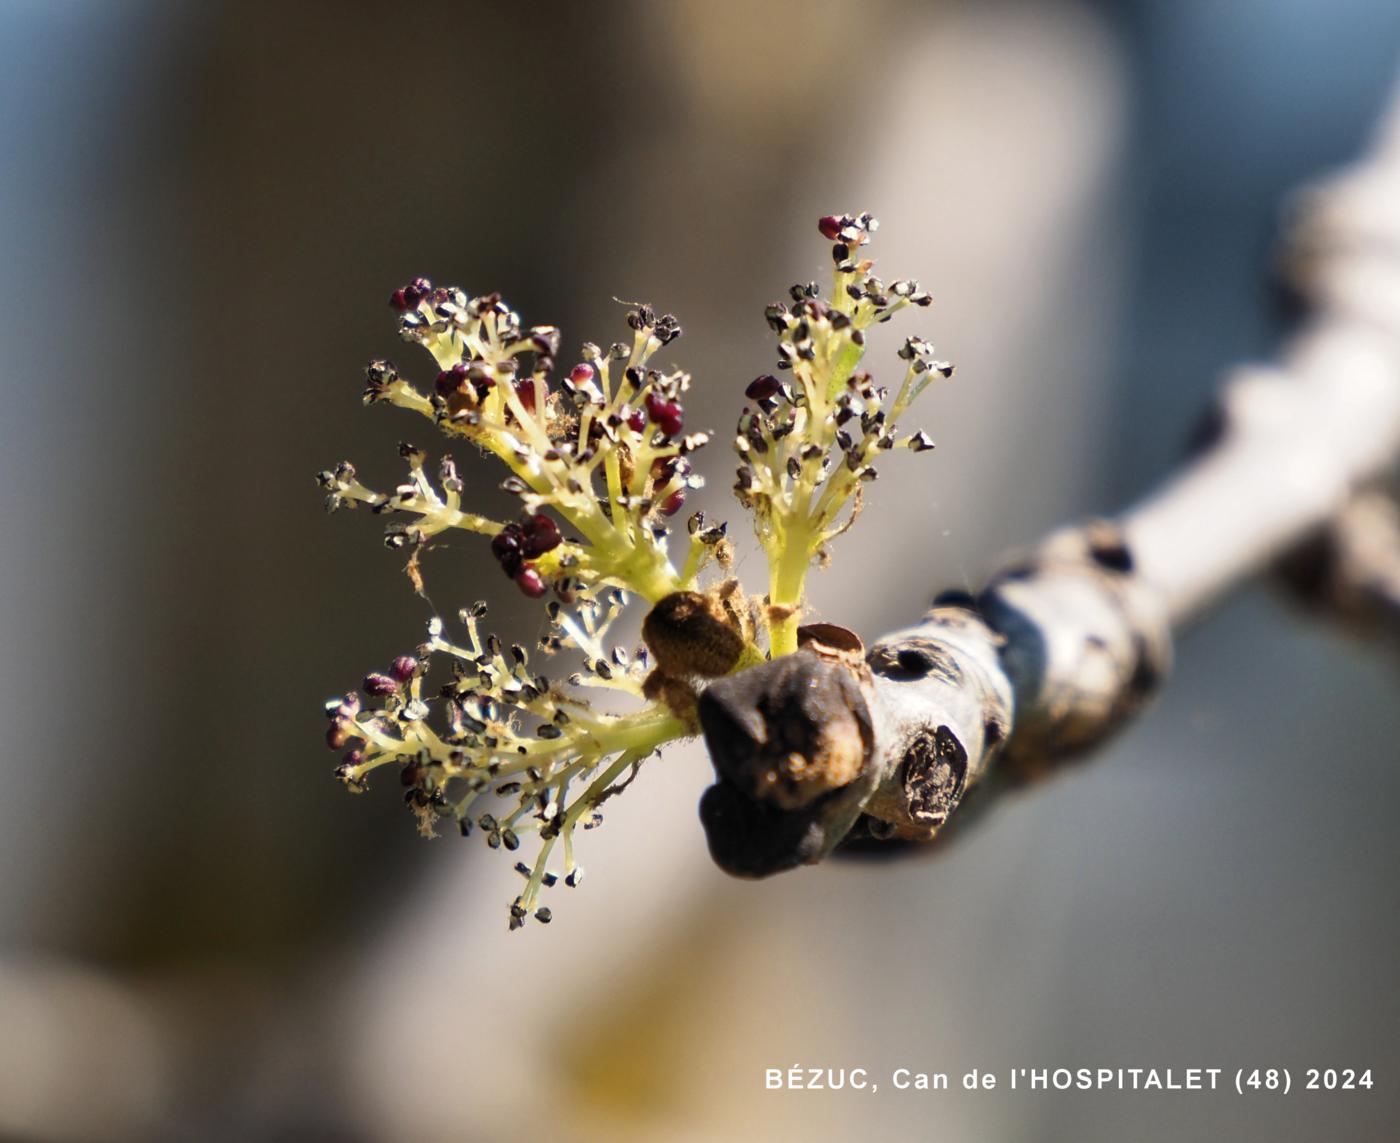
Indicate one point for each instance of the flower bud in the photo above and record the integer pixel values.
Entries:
(338, 734)
(690, 634)
(529, 580)
(451, 381)
(408, 297)
(506, 547)
(540, 535)
(666, 415)
(379, 685)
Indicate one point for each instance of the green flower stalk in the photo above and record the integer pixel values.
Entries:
(600, 463)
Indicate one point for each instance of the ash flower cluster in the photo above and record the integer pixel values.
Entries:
(599, 461)
(605, 449)
(811, 440)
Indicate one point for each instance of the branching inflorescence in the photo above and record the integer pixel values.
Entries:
(600, 463)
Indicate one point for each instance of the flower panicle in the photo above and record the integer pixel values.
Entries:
(599, 460)
(600, 463)
(500, 748)
(809, 442)
(604, 450)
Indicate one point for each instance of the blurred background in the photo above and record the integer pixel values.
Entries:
(204, 209)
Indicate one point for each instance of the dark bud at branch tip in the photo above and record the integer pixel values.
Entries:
(830, 226)
(790, 731)
(403, 667)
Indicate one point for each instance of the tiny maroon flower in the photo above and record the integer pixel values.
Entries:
(529, 580)
(451, 381)
(673, 503)
(403, 667)
(637, 420)
(506, 546)
(666, 415)
(407, 297)
(541, 535)
(830, 226)
(581, 374)
(762, 388)
(338, 734)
